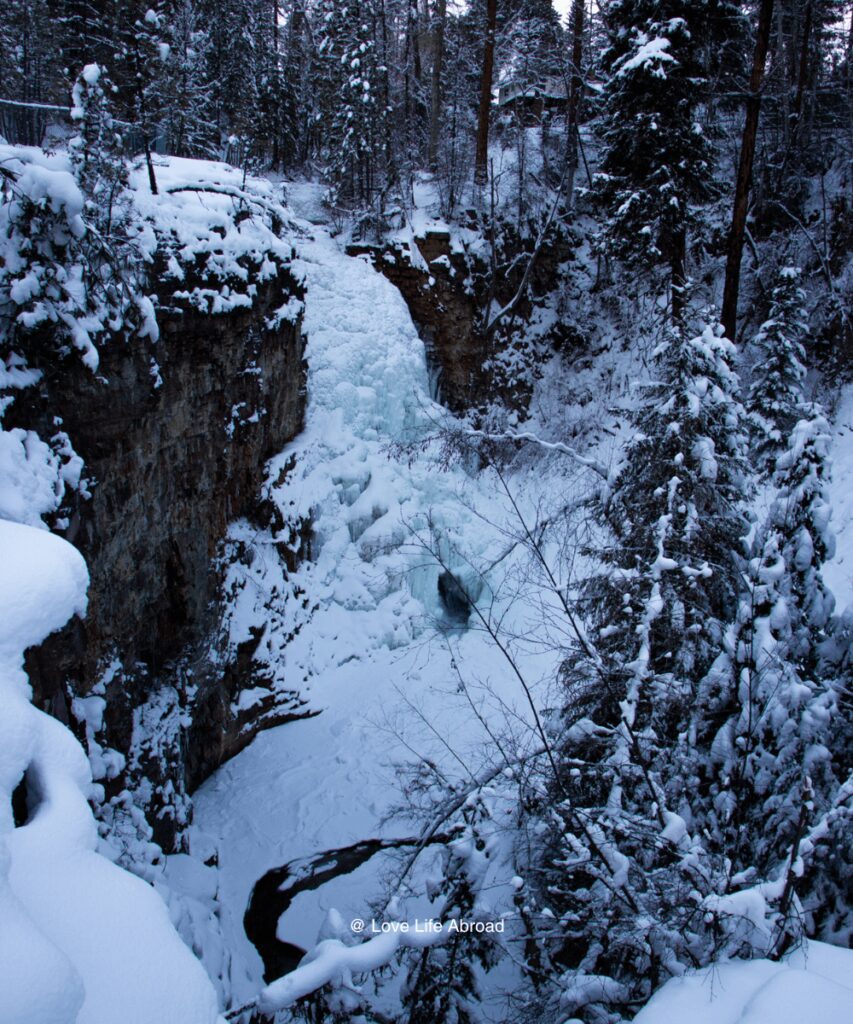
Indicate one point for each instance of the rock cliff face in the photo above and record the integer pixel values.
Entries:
(174, 436)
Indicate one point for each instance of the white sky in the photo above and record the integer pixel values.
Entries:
(562, 6)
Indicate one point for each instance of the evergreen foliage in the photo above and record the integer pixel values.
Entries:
(657, 168)
(775, 395)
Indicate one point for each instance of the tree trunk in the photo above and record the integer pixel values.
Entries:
(149, 163)
(744, 174)
(802, 74)
(437, 70)
(481, 165)
(678, 273)
(575, 91)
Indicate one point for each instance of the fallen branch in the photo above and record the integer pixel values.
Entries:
(332, 960)
(273, 209)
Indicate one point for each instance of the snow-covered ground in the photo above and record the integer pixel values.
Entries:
(812, 986)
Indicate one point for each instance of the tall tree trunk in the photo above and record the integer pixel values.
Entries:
(744, 174)
(803, 72)
(276, 158)
(575, 91)
(481, 172)
(415, 16)
(437, 71)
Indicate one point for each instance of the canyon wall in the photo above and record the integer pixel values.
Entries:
(174, 435)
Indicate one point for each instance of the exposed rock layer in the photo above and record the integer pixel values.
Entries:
(169, 466)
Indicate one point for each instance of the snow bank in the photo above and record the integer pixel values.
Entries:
(80, 938)
(814, 984)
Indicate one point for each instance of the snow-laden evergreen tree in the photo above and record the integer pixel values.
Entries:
(42, 264)
(628, 857)
(353, 78)
(657, 166)
(779, 771)
(676, 511)
(295, 102)
(776, 392)
(189, 121)
(97, 148)
(70, 272)
(802, 476)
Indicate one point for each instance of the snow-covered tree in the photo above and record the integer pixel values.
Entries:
(97, 150)
(353, 77)
(675, 511)
(189, 121)
(778, 772)
(627, 849)
(776, 392)
(657, 166)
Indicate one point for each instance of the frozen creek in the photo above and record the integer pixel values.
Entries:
(375, 657)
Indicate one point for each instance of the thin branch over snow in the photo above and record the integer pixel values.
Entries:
(537, 248)
(554, 446)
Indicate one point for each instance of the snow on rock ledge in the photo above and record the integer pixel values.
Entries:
(79, 937)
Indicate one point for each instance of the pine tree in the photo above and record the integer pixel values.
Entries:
(628, 828)
(189, 122)
(778, 773)
(657, 167)
(97, 150)
(88, 33)
(355, 142)
(775, 394)
(145, 50)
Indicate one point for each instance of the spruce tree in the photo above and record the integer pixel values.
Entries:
(657, 166)
(351, 78)
(778, 771)
(627, 830)
(97, 150)
(189, 122)
(775, 394)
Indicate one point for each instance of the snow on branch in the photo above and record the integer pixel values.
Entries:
(554, 446)
(333, 961)
(273, 209)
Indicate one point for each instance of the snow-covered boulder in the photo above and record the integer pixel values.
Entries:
(81, 940)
